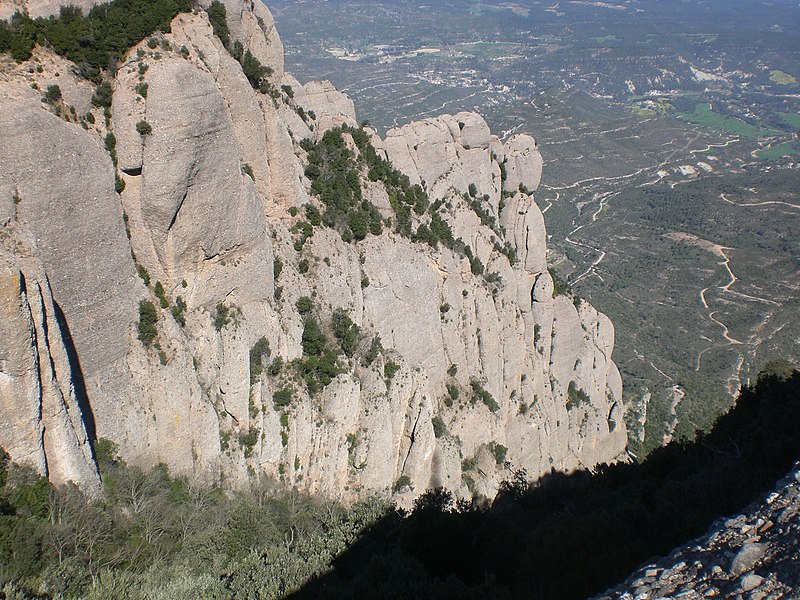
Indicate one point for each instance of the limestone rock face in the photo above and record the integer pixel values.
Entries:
(41, 8)
(464, 368)
(524, 163)
(41, 420)
(252, 24)
(57, 214)
(329, 104)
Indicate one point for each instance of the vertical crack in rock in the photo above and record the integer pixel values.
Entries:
(412, 438)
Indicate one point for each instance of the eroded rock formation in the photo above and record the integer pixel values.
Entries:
(480, 373)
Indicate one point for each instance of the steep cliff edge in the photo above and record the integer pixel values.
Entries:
(412, 339)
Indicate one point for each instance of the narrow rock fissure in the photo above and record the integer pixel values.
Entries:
(412, 436)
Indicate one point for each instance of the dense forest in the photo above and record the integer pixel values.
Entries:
(566, 536)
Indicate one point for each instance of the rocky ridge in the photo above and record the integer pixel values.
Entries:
(213, 197)
(753, 556)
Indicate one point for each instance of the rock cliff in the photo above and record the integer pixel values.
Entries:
(460, 364)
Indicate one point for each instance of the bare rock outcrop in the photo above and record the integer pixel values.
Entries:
(41, 418)
(41, 8)
(252, 24)
(189, 294)
(331, 106)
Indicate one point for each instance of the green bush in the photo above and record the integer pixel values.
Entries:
(248, 441)
(179, 311)
(319, 371)
(499, 452)
(313, 340)
(334, 176)
(161, 294)
(560, 287)
(390, 369)
(148, 317)
(375, 348)
(225, 315)
(303, 266)
(102, 95)
(218, 17)
(143, 128)
(53, 94)
(475, 264)
(258, 353)
(110, 142)
(439, 427)
(304, 305)
(484, 396)
(94, 41)
(142, 272)
(403, 481)
(254, 70)
(452, 392)
(576, 396)
(162, 356)
(283, 397)
(345, 331)
(313, 215)
(275, 367)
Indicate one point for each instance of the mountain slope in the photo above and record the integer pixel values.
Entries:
(304, 310)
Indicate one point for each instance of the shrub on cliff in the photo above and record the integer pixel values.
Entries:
(93, 42)
(148, 317)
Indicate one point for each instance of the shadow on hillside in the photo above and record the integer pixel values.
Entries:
(572, 536)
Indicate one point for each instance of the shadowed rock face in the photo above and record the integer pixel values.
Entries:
(206, 213)
(753, 553)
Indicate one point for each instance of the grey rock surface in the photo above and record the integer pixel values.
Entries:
(194, 223)
(41, 8)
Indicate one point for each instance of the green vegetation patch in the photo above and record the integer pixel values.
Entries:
(94, 41)
(148, 317)
(258, 353)
(155, 536)
(704, 115)
(792, 119)
(320, 362)
(480, 393)
(779, 151)
(335, 180)
(782, 78)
